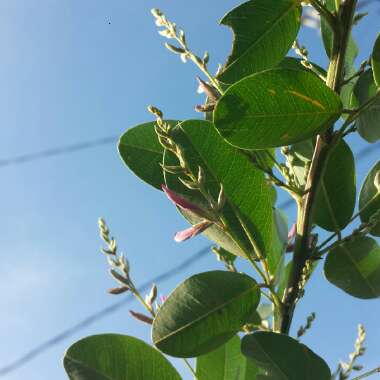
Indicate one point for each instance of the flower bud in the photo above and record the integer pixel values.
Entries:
(192, 231)
(141, 317)
(376, 181)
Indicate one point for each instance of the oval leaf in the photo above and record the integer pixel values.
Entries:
(141, 151)
(226, 363)
(249, 199)
(354, 267)
(284, 358)
(264, 31)
(335, 200)
(275, 108)
(204, 312)
(369, 199)
(368, 122)
(375, 61)
(116, 357)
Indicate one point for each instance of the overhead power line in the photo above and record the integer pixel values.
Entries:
(27, 357)
(66, 149)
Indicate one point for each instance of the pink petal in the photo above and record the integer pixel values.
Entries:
(292, 232)
(191, 231)
(181, 202)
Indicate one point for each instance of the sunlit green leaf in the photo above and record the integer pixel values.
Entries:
(116, 357)
(284, 358)
(354, 267)
(375, 61)
(368, 122)
(275, 108)
(369, 199)
(226, 363)
(204, 312)
(264, 31)
(142, 153)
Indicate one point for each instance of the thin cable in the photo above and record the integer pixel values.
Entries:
(38, 350)
(25, 158)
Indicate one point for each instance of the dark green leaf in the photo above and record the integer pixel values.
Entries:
(375, 61)
(226, 363)
(264, 31)
(248, 196)
(368, 123)
(335, 200)
(204, 312)
(369, 199)
(283, 358)
(116, 357)
(275, 108)
(142, 153)
(354, 267)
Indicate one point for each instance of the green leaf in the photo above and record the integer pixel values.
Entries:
(264, 31)
(248, 196)
(375, 61)
(275, 108)
(204, 312)
(354, 267)
(226, 363)
(284, 358)
(142, 153)
(116, 357)
(368, 121)
(369, 199)
(296, 64)
(335, 200)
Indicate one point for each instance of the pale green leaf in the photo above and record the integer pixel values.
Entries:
(354, 267)
(264, 31)
(116, 357)
(284, 358)
(275, 108)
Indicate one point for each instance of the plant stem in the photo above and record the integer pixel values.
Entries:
(342, 29)
(367, 374)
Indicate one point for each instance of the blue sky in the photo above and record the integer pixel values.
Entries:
(72, 71)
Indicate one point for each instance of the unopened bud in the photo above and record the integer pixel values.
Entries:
(151, 297)
(189, 184)
(117, 276)
(141, 317)
(174, 49)
(156, 12)
(376, 181)
(209, 90)
(117, 291)
(205, 107)
(206, 57)
(155, 111)
(221, 198)
(201, 176)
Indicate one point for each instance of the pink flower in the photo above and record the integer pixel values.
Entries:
(292, 233)
(192, 231)
(181, 202)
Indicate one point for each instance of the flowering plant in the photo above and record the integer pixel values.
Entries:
(271, 122)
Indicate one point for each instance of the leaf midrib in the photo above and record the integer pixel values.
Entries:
(205, 316)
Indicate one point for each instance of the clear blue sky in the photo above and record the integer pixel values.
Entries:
(79, 70)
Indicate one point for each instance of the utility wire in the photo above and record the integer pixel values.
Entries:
(66, 149)
(30, 355)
